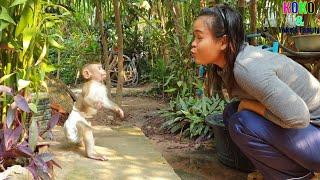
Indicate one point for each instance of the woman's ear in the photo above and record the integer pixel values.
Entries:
(86, 73)
(224, 42)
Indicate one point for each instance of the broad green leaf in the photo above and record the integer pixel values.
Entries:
(176, 128)
(42, 55)
(47, 68)
(168, 80)
(49, 24)
(3, 25)
(54, 43)
(179, 83)
(22, 84)
(25, 19)
(33, 134)
(17, 2)
(28, 34)
(170, 90)
(5, 16)
(6, 77)
(33, 107)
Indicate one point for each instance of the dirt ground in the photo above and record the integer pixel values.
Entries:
(143, 113)
(190, 159)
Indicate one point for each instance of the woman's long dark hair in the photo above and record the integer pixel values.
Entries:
(223, 20)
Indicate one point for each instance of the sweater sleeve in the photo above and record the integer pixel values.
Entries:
(284, 107)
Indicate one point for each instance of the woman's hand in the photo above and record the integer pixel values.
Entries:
(252, 105)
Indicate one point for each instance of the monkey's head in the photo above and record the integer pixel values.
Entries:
(94, 71)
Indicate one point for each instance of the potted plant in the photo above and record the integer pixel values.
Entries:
(228, 152)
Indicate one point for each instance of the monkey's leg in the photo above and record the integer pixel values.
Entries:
(87, 136)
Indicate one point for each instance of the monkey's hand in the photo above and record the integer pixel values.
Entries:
(99, 105)
(120, 112)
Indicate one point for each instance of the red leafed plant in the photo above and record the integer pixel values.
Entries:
(19, 141)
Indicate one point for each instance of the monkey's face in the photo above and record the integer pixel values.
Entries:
(95, 72)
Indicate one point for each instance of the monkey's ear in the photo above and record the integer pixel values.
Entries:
(86, 73)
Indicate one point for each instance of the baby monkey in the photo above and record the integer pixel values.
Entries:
(92, 98)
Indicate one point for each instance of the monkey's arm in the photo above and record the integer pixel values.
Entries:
(108, 104)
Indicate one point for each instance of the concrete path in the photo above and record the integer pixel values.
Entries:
(130, 153)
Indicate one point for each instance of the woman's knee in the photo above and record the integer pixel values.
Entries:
(245, 123)
(229, 110)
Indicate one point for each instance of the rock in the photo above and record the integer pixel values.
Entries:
(16, 172)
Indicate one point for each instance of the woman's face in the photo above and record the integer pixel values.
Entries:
(207, 49)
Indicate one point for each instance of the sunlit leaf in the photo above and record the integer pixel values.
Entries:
(6, 77)
(33, 107)
(44, 84)
(170, 90)
(17, 2)
(5, 16)
(22, 84)
(25, 19)
(54, 43)
(5, 89)
(33, 134)
(43, 54)
(3, 25)
(49, 24)
(10, 116)
(28, 34)
(47, 68)
(22, 103)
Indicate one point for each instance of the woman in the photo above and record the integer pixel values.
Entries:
(278, 97)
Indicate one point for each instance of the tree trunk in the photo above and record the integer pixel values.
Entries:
(178, 24)
(253, 20)
(164, 49)
(116, 4)
(241, 4)
(104, 44)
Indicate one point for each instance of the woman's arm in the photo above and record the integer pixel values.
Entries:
(282, 105)
(252, 105)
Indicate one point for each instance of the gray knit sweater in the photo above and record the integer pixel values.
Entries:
(290, 93)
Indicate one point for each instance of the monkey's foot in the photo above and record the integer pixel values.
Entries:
(255, 176)
(316, 176)
(98, 157)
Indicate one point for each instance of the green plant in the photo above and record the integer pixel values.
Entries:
(27, 31)
(19, 137)
(187, 114)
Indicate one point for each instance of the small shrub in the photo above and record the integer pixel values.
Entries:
(186, 115)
